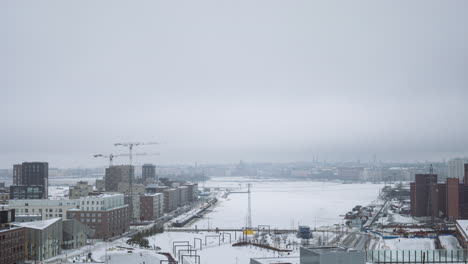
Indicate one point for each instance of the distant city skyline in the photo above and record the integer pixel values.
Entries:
(218, 83)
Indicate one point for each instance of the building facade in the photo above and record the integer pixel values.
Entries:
(32, 174)
(118, 174)
(47, 209)
(151, 206)
(106, 214)
(456, 168)
(81, 189)
(148, 172)
(444, 200)
(12, 239)
(75, 234)
(18, 192)
(43, 238)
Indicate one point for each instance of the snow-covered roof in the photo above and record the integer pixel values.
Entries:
(292, 260)
(462, 226)
(40, 225)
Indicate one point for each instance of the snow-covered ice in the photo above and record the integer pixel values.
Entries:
(287, 204)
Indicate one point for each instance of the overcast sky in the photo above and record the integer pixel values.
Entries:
(221, 81)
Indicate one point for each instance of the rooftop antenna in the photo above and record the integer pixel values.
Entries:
(249, 210)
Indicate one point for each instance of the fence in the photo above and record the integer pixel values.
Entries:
(418, 256)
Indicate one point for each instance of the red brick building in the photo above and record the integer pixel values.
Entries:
(447, 200)
(106, 214)
(12, 239)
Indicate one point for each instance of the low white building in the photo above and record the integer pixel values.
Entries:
(47, 209)
(101, 202)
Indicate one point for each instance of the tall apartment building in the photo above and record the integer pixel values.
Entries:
(31, 174)
(183, 195)
(12, 239)
(192, 191)
(118, 174)
(46, 209)
(456, 168)
(425, 202)
(106, 214)
(81, 189)
(148, 172)
(171, 200)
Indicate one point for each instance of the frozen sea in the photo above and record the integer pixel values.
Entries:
(286, 204)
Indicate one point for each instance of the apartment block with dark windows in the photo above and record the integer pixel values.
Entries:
(30, 174)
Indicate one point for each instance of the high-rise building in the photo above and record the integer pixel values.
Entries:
(148, 172)
(425, 196)
(456, 168)
(118, 174)
(32, 174)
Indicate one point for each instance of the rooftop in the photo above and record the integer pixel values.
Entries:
(330, 250)
(39, 225)
(462, 225)
(283, 260)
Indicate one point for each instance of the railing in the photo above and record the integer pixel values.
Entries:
(418, 256)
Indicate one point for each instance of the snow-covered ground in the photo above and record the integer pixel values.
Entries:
(286, 204)
(449, 242)
(409, 243)
(58, 192)
(394, 218)
(212, 252)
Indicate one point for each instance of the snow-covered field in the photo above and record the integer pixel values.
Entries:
(409, 243)
(213, 253)
(286, 204)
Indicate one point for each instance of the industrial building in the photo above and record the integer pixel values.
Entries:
(429, 198)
